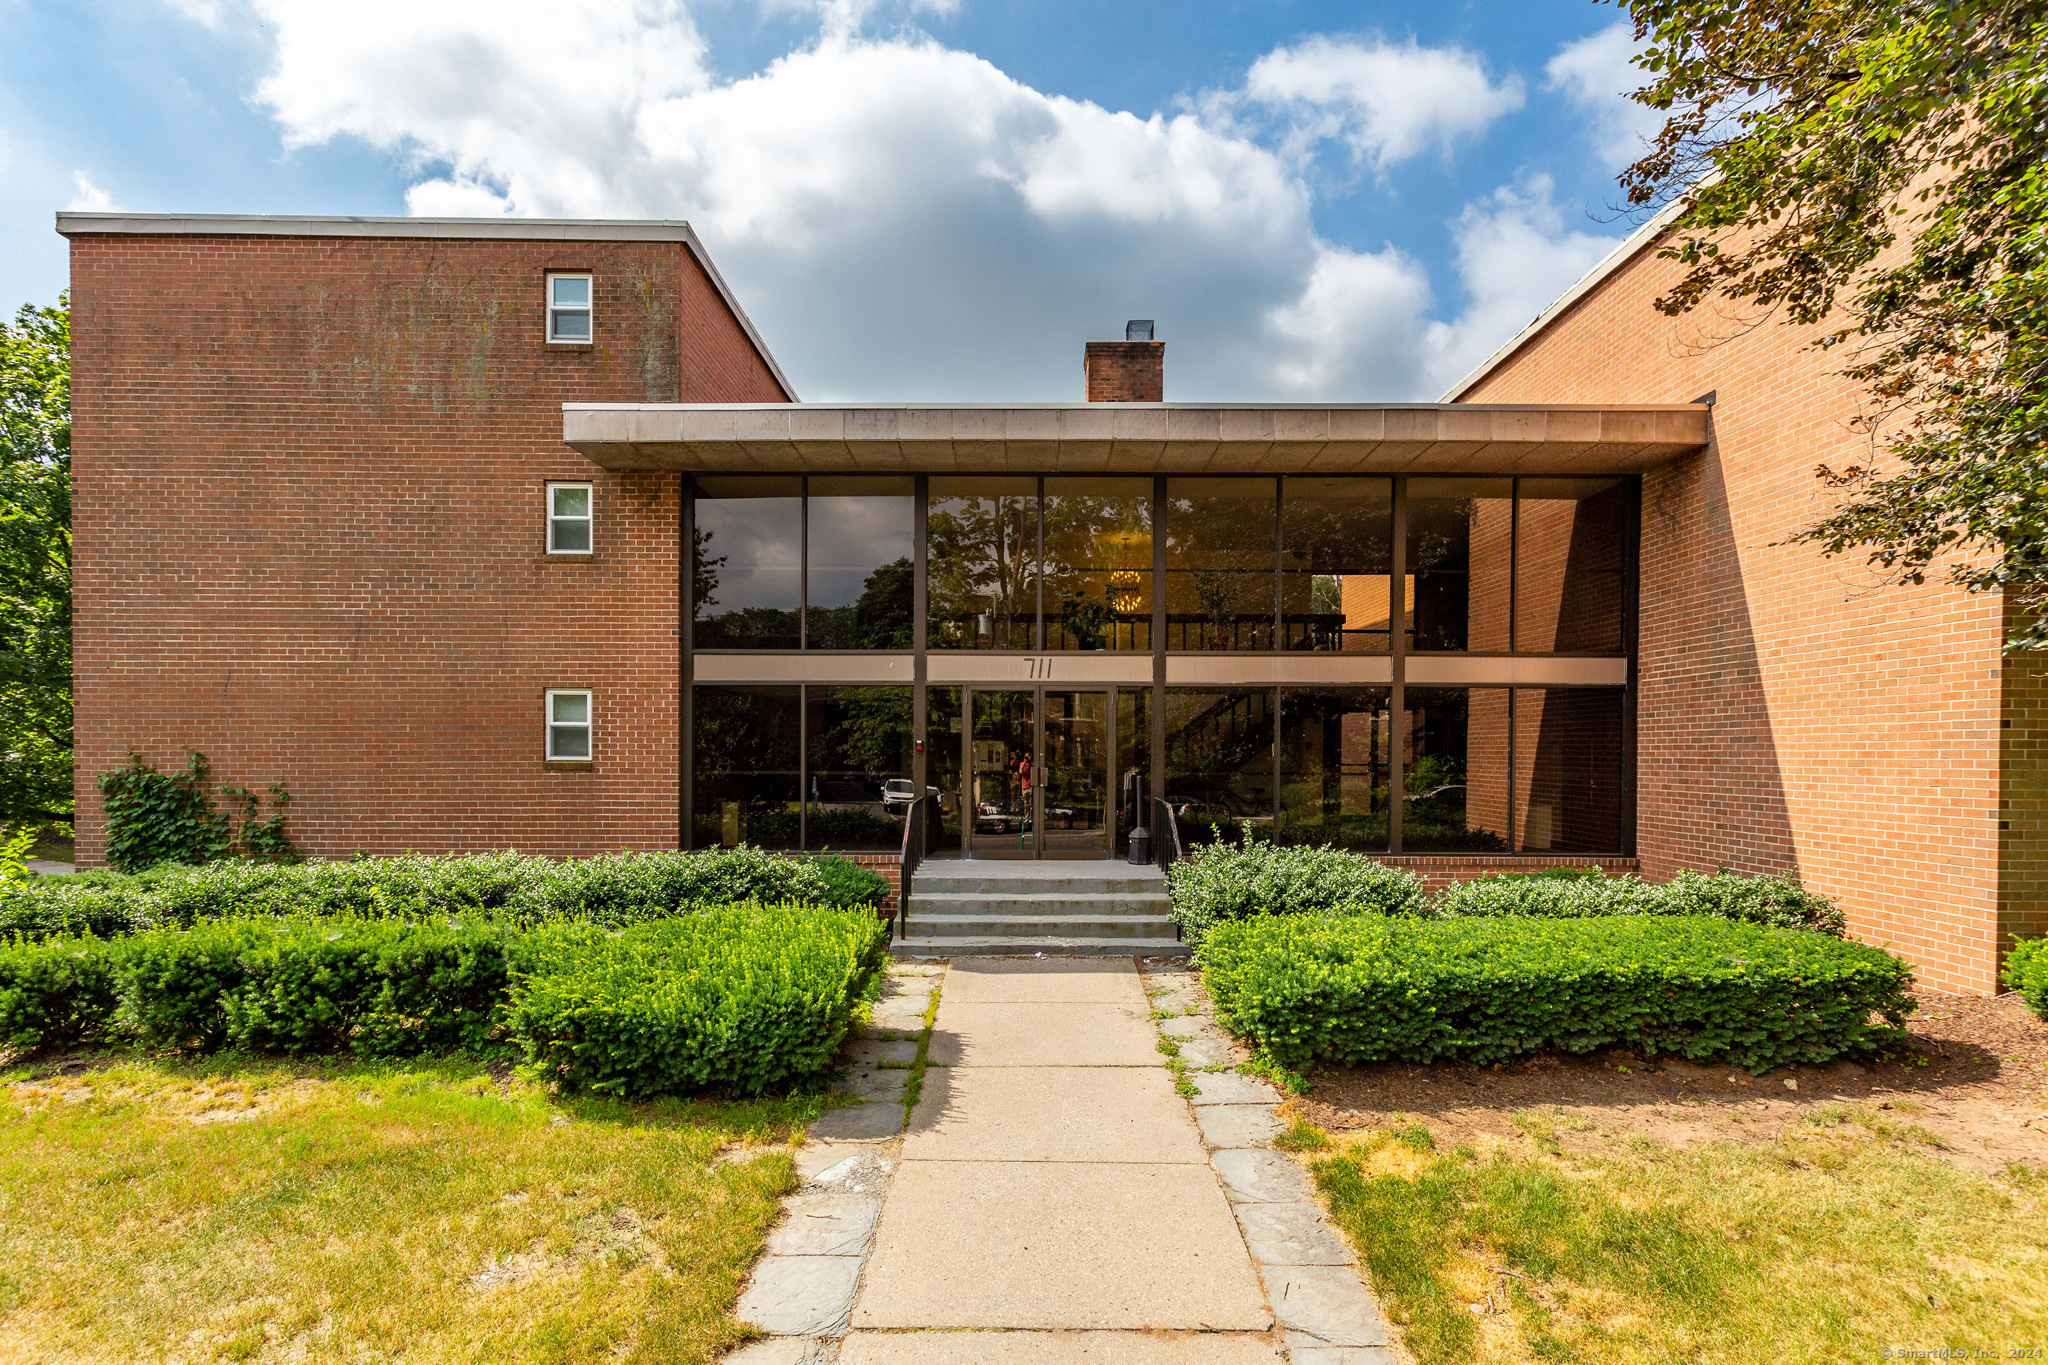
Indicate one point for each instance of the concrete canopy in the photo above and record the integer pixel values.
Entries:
(1135, 438)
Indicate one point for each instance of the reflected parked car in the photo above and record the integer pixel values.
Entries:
(899, 792)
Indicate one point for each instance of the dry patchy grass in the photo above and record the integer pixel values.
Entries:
(1829, 1243)
(290, 1212)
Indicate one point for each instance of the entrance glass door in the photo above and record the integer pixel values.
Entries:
(1076, 788)
(1002, 776)
(1039, 779)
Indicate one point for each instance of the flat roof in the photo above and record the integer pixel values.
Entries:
(74, 223)
(1136, 438)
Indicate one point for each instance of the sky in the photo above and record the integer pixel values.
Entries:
(913, 199)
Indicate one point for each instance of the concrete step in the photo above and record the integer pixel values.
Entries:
(1093, 905)
(991, 946)
(922, 924)
(981, 876)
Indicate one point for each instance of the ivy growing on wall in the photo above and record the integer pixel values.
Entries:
(155, 817)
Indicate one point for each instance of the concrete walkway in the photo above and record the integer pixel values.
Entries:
(1056, 1201)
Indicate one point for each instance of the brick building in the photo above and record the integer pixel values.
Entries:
(395, 511)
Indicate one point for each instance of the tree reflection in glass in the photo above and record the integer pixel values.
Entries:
(1098, 564)
(749, 562)
(981, 590)
(861, 577)
(1219, 563)
(1337, 563)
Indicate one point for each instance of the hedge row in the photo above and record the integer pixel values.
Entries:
(509, 887)
(1369, 989)
(1222, 882)
(735, 999)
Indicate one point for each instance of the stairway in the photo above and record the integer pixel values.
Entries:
(990, 907)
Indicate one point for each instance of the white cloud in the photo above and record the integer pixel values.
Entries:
(1386, 101)
(87, 197)
(1514, 259)
(903, 219)
(1595, 74)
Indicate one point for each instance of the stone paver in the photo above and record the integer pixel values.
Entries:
(1208, 1052)
(1237, 1125)
(825, 1223)
(1327, 1302)
(1292, 1234)
(1043, 1034)
(1058, 1244)
(1069, 980)
(1262, 1177)
(1071, 1113)
(872, 1121)
(1061, 1348)
(1187, 1026)
(1343, 1355)
(800, 1296)
(779, 1351)
(1231, 1087)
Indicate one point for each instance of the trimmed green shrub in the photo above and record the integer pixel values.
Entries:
(2026, 971)
(174, 984)
(57, 991)
(1780, 902)
(736, 1000)
(509, 887)
(1220, 882)
(849, 884)
(1368, 989)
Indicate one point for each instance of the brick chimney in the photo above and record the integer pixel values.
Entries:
(1129, 371)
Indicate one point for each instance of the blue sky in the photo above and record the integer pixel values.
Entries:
(923, 199)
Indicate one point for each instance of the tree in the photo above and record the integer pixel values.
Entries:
(35, 565)
(1873, 168)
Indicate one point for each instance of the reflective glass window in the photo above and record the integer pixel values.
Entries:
(982, 550)
(1098, 564)
(857, 781)
(1455, 749)
(1336, 564)
(748, 562)
(1219, 761)
(1219, 563)
(1568, 768)
(1571, 546)
(862, 570)
(746, 764)
(1334, 749)
(1460, 556)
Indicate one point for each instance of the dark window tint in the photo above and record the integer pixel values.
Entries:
(862, 575)
(746, 762)
(1568, 761)
(1219, 760)
(1571, 544)
(1455, 744)
(982, 548)
(1460, 542)
(1134, 765)
(1335, 567)
(857, 768)
(1219, 563)
(749, 563)
(1334, 747)
(943, 743)
(1098, 564)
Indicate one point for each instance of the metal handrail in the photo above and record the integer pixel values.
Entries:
(1165, 840)
(913, 854)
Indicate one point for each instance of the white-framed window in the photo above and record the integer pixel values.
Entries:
(569, 309)
(569, 518)
(568, 725)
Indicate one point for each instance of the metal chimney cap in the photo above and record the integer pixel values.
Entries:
(1138, 329)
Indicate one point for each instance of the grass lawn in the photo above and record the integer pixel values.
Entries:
(1839, 1237)
(271, 1211)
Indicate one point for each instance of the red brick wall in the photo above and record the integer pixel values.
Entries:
(1125, 371)
(309, 530)
(1794, 715)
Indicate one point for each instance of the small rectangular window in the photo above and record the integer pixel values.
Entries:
(569, 725)
(569, 518)
(569, 308)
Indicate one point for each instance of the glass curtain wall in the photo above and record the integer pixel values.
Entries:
(1460, 538)
(1334, 748)
(945, 828)
(1572, 544)
(776, 569)
(1219, 761)
(1221, 542)
(1568, 770)
(1454, 745)
(1337, 564)
(1133, 764)
(805, 767)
